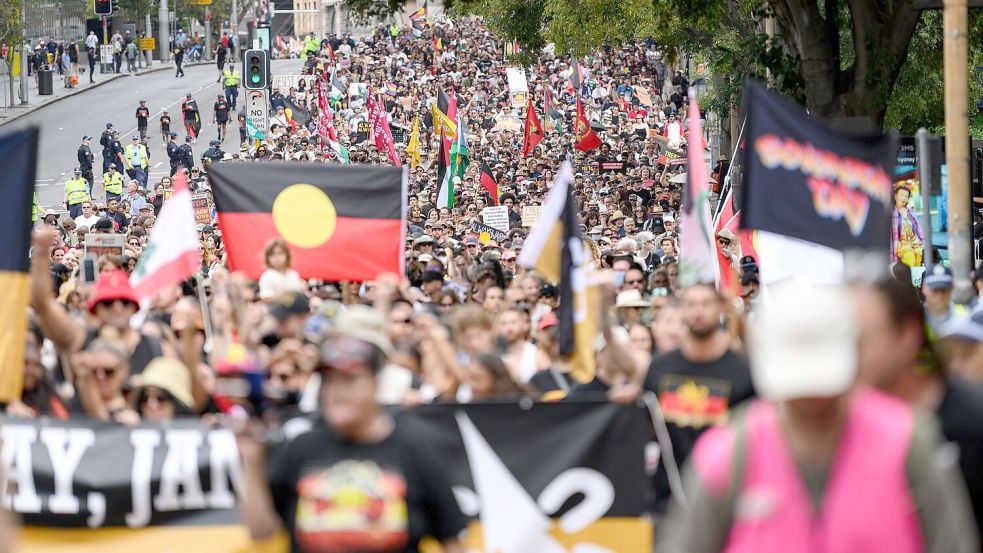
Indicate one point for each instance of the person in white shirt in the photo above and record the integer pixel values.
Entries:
(87, 218)
(522, 358)
(278, 276)
(92, 41)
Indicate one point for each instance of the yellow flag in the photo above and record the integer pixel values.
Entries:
(413, 148)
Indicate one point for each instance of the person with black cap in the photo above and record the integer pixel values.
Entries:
(186, 156)
(86, 159)
(221, 116)
(192, 117)
(937, 286)
(214, 152)
(165, 126)
(173, 152)
(142, 115)
(354, 440)
(112, 183)
(106, 141)
(76, 193)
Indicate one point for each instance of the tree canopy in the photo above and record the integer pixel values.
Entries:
(841, 58)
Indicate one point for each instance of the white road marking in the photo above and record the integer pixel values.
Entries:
(158, 164)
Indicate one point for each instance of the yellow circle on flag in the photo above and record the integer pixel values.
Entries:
(304, 215)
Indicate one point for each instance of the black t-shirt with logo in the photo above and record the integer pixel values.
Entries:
(694, 397)
(336, 496)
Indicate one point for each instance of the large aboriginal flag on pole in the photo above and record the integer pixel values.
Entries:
(18, 150)
(341, 222)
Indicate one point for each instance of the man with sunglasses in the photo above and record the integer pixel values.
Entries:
(401, 488)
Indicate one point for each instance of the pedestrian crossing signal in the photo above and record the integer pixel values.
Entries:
(257, 69)
(102, 7)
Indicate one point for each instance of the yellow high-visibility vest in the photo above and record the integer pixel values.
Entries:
(113, 182)
(129, 151)
(77, 190)
(231, 78)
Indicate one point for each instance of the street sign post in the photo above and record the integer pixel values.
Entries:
(258, 109)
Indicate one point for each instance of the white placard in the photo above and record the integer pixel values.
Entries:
(496, 217)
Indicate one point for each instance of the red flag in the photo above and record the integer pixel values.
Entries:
(381, 133)
(587, 139)
(488, 182)
(534, 130)
(726, 275)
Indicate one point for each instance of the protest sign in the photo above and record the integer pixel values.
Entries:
(203, 212)
(98, 245)
(496, 217)
(612, 167)
(114, 489)
(284, 82)
(485, 233)
(643, 95)
(399, 135)
(508, 123)
(529, 215)
(518, 87)
(362, 131)
(807, 181)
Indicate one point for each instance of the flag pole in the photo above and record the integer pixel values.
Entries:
(205, 314)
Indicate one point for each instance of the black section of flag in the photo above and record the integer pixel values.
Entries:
(806, 181)
(253, 187)
(18, 152)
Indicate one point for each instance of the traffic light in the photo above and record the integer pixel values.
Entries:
(102, 7)
(257, 69)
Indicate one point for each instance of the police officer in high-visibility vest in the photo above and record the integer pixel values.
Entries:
(231, 86)
(135, 159)
(36, 209)
(76, 193)
(311, 45)
(112, 183)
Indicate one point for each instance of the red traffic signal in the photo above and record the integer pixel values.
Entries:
(102, 7)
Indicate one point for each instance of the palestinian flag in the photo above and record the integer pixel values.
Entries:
(18, 152)
(460, 157)
(556, 249)
(586, 137)
(171, 254)
(337, 87)
(445, 194)
(488, 182)
(549, 108)
(696, 240)
(534, 130)
(341, 222)
(253, 131)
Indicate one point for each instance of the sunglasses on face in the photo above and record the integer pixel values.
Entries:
(111, 303)
(105, 372)
(157, 396)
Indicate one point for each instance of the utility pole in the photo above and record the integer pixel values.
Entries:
(206, 55)
(234, 25)
(954, 14)
(25, 49)
(164, 30)
(149, 34)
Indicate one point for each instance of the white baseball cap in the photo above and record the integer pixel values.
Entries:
(803, 342)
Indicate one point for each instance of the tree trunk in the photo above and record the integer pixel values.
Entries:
(881, 33)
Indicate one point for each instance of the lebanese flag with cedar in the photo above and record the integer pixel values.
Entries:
(341, 222)
(587, 139)
(172, 253)
(534, 130)
(488, 181)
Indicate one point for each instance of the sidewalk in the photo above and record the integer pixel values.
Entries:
(60, 92)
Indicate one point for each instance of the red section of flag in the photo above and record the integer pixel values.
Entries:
(534, 130)
(586, 138)
(359, 248)
(381, 133)
(488, 182)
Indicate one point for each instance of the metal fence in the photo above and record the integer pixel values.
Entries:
(5, 98)
(62, 19)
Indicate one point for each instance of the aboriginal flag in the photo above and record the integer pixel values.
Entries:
(342, 222)
(488, 182)
(18, 151)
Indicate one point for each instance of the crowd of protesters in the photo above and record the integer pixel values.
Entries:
(467, 323)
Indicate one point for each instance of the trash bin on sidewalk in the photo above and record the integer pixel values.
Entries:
(45, 86)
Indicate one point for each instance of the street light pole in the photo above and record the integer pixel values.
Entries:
(163, 31)
(955, 14)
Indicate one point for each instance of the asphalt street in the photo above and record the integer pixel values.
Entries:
(65, 122)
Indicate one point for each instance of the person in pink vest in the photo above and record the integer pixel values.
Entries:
(818, 464)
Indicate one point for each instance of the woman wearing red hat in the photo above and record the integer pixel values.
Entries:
(112, 302)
